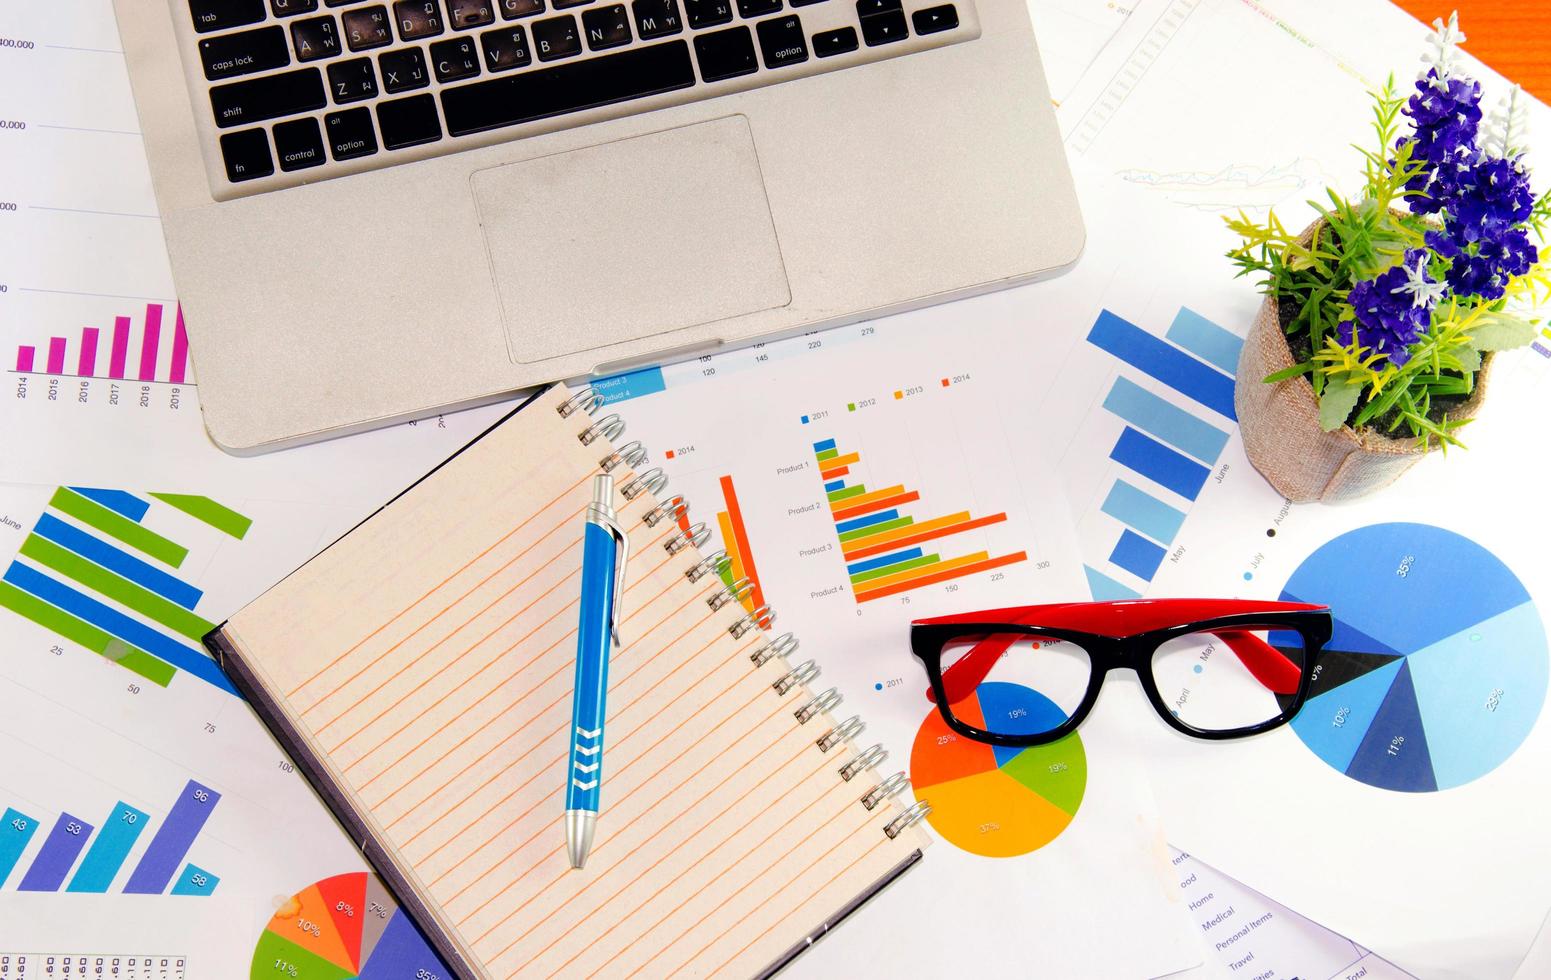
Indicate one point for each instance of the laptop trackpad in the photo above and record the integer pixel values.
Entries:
(631, 239)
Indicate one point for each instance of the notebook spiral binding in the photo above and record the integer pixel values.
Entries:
(654, 481)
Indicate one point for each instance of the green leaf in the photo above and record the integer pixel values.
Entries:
(1501, 331)
(1287, 373)
(1337, 402)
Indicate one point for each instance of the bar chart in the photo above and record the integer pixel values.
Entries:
(105, 352)
(735, 541)
(882, 544)
(95, 574)
(1164, 452)
(162, 868)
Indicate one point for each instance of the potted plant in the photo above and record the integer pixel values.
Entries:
(1373, 344)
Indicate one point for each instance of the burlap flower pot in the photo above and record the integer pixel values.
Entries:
(1282, 436)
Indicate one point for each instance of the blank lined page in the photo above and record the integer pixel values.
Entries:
(427, 660)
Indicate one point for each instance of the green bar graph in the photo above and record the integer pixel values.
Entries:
(120, 590)
(95, 515)
(218, 516)
(845, 492)
(879, 528)
(827, 454)
(79, 631)
(902, 566)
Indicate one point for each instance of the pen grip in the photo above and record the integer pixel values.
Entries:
(599, 552)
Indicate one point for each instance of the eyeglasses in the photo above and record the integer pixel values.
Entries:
(1212, 668)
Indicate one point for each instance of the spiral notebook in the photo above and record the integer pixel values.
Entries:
(419, 670)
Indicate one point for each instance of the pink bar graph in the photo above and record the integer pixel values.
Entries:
(148, 343)
(56, 355)
(179, 350)
(24, 359)
(87, 366)
(120, 350)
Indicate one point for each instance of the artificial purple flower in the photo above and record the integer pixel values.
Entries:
(1394, 309)
(1446, 116)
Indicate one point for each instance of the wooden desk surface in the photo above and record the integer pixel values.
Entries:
(1510, 35)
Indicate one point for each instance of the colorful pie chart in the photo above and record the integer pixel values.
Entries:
(344, 927)
(1438, 666)
(994, 801)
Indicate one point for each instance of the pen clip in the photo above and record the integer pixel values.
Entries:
(620, 557)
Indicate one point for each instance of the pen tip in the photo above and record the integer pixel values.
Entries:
(579, 827)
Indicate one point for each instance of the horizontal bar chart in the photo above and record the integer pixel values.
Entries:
(882, 545)
(93, 573)
(1148, 457)
(107, 853)
(1137, 555)
(1164, 362)
(148, 364)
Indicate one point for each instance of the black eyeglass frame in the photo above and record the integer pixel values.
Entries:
(1107, 653)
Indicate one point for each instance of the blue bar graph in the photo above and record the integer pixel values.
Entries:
(1206, 340)
(879, 562)
(1165, 421)
(1143, 511)
(1159, 463)
(1164, 362)
(820, 447)
(107, 853)
(170, 846)
(56, 858)
(195, 881)
(834, 485)
(870, 519)
(16, 830)
(1137, 555)
(143, 574)
(110, 620)
(1106, 589)
(117, 501)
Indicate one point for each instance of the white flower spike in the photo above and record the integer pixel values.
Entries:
(1445, 40)
(1423, 293)
(1507, 127)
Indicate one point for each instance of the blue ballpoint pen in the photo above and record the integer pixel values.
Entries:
(604, 550)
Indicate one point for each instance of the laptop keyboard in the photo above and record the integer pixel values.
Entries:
(302, 90)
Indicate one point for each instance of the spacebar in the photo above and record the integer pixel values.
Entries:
(568, 87)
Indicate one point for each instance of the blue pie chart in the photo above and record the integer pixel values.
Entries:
(1438, 666)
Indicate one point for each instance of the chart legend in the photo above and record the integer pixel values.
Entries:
(994, 801)
(1164, 453)
(1418, 703)
(104, 351)
(95, 575)
(162, 867)
(881, 543)
(344, 927)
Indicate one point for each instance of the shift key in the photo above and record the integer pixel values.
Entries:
(258, 99)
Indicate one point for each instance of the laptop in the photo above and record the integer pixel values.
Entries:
(378, 210)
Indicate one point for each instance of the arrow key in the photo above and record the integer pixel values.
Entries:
(884, 28)
(933, 20)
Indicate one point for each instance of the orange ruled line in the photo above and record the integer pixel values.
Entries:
(934, 578)
(881, 503)
(927, 535)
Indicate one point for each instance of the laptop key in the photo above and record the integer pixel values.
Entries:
(726, 54)
(708, 13)
(455, 59)
(243, 54)
(299, 144)
(885, 28)
(368, 28)
(258, 99)
(246, 155)
(556, 38)
(782, 41)
(468, 14)
(567, 87)
(350, 133)
(935, 19)
(606, 27)
(352, 81)
(403, 71)
(506, 49)
(757, 8)
(418, 18)
(409, 122)
(656, 18)
(218, 15)
(315, 39)
(512, 9)
(563, 4)
(290, 8)
(839, 41)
